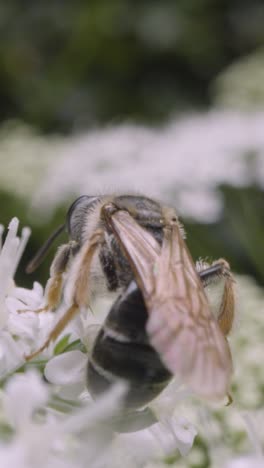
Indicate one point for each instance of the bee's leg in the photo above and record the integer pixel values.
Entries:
(220, 269)
(59, 327)
(80, 294)
(209, 274)
(58, 268)
(55, 283)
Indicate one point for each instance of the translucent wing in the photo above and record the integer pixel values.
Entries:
(181, 326)
(139, 246)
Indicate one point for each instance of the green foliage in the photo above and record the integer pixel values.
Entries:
(237, 235)
(197, 458)
(6, 432)
(75, 345)
(241, 86)
(62, 344)
(72, 64)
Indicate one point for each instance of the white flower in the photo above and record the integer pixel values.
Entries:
(181, 163)
(81, 438)
(159, 441)
(255, 460)
(247, 461)
(24, 393)
(11, 355)
(175, 433)
(50, 432)
(67, 372)
(20, 333)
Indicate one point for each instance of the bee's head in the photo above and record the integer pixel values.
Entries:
(77, 215)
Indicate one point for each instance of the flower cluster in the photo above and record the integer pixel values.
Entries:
(47, 417)
(19, 333)
(57, 425)
(224, 147)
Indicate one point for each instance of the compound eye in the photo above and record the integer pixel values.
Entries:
(74, 216)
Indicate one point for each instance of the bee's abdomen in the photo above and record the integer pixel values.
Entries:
(122, 351)
(139, 366)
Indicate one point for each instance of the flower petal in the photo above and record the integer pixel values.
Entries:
(29, 297)
(22, 325)
(174, 434)
(11, 354)
(24, 393)
(250, 461)
(67, 368)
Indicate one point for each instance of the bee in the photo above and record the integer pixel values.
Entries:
(161, 324)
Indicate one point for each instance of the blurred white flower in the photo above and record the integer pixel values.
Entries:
(29, 389)
(79, 439)
(157, 442)
(255, 459)
(175, 433)
(67, 372)
(249, 461)
(181, 163)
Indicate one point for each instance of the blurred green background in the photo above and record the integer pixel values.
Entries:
(67, 65)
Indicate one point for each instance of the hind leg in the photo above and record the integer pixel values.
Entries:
(220, 269)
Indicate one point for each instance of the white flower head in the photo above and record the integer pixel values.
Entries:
(24, 393)
(56, 424)
(20, 333)
(246, 461)
(67, 372)
(71, 440)
(183, 161)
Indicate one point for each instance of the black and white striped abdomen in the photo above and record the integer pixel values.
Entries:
(122, 351)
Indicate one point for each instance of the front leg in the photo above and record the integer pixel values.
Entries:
(54, 290)
(58, 267)
(80, 295)
(55, 283)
